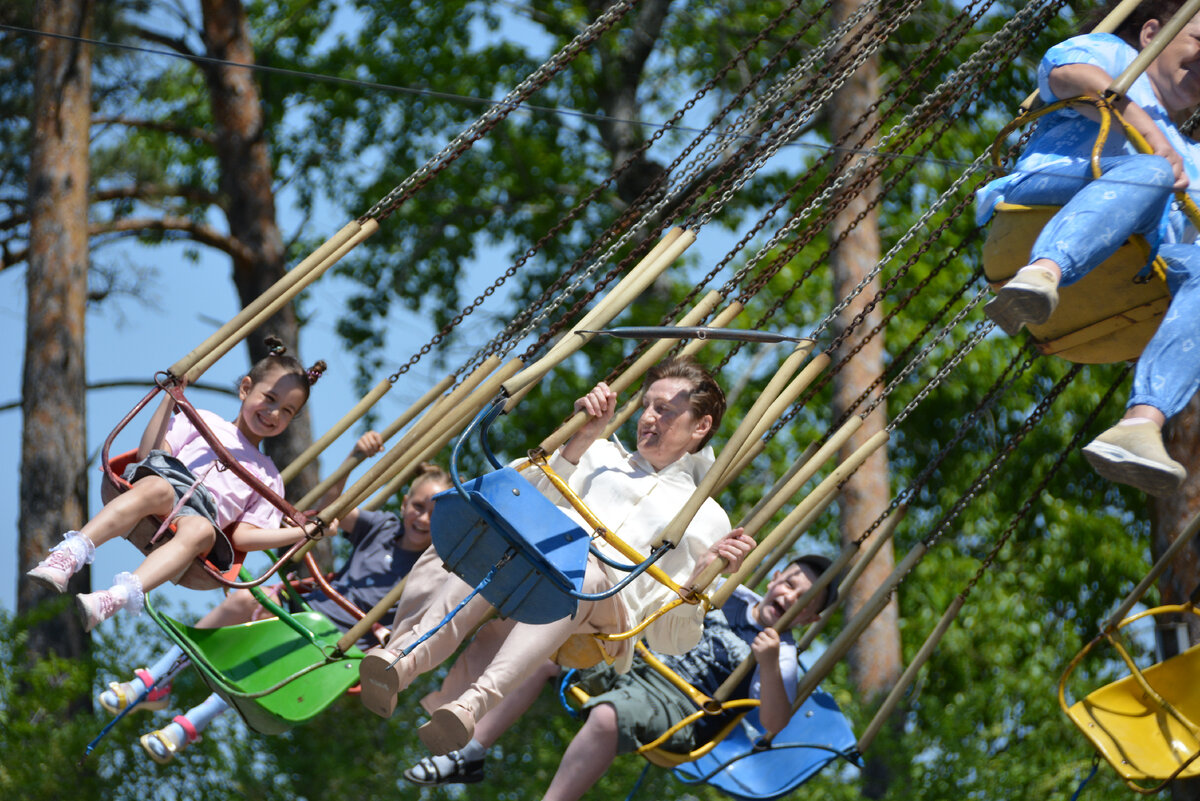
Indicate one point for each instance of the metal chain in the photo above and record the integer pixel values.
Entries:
(1002, 456)
(982, 328)
(652, 191)
(906, 353)
(1026, 507)
(805, 114)
(1000, 387)
(664, 200)
(896, 96)
(497, 113)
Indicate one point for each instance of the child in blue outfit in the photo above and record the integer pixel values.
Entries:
(1133, 195)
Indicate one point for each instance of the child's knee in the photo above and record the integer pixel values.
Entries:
(194, 533)
(1153, 170)
(602, 719)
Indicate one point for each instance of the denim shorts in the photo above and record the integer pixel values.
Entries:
(201, 503)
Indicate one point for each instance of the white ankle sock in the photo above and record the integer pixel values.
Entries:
(473, 751)
(79, 547)
(127, 590)
(1046, 270)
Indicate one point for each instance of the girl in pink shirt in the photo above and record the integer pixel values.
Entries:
(175, 461)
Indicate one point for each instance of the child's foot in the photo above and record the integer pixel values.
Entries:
(381, 681)
(162, 745)
(1132, 453)
(96, 607)
(450, 728)
(55, 570)
(121, 694)
(453, 768)
(1029, 298)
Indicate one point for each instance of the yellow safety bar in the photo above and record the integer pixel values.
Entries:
(537, 458)
(653, 751)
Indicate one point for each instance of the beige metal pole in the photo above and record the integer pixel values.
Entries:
(258, 304)
(755, 444)
(312, 451)
(631, 286)
(242, 331)
(674, 530)
(822, 493)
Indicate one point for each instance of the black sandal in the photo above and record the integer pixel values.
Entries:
(426, 772)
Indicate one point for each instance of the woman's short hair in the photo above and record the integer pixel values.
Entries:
(1131, 29)
(706, 396)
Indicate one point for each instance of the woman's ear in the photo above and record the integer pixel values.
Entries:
(1149, 30)
(703, 427)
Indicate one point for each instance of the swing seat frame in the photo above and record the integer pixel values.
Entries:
(1107, 316)
(1147, 724)
(528, 558)
(200, 575)
(736, 760)
(274, 677)
(1111, 313)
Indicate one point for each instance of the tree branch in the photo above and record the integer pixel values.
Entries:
(202, 234)
(141, 191)
(158, 125)
(177, 44)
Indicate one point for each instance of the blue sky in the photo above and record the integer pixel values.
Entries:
(130, 340)
(183, 302)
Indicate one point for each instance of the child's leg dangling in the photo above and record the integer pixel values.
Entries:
(64, 560)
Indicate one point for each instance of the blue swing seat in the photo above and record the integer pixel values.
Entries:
(815, 736)
(503, 512)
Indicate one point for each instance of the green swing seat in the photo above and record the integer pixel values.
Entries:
(249, 665)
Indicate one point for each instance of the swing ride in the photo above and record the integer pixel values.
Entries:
(527, 558)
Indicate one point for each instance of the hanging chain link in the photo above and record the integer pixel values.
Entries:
(1031, 499)
(1000, 387)
(1001, 456)
(497, 113)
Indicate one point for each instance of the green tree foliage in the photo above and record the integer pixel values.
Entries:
(982, 720)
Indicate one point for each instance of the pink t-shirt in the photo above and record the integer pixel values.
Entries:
(236, 501)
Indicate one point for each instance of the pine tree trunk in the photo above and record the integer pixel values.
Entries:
(247, 184)
(1169, 516)
(53, 445)
(875, 662)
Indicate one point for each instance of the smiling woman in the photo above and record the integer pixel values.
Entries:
(1132, 196)
(636, 494)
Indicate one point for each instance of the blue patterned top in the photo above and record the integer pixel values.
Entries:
(1066, 137)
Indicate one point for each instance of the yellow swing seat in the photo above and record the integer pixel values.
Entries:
(1108, 316)
(1144, 724)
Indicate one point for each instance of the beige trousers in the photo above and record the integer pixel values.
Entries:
(502, 652)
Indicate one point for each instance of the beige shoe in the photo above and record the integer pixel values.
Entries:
(381, 676)
(1133, 454)
(1029, 298)
(450, 728)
